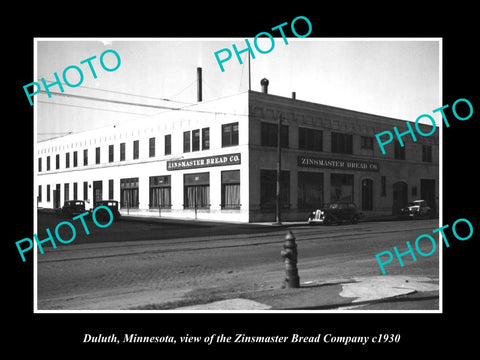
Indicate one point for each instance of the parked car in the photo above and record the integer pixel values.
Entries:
(112, 205)
(72, 208)
(416, 209)
(335, 213)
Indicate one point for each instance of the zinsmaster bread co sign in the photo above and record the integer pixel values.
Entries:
(194, 163)
(307, 161)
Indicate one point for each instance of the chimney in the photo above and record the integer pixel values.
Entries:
(294, 95)
(199, 84)
(264, 82)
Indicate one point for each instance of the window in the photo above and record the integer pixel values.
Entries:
(268, 188)
(85, 190)
(67, 160)
(39, 164)
(122, 152)
(135, 149)
(85, 157)
(383, 184)
(310, 139)
(310, 189)
(341, 187)
(67, 191)
(129, 193)
(75, 158)
(205, 138)
(195, 140)
(427, 153)
(230, 134)
(57, 161)
(399, 151)
(168, 144)
(110, 153)
(48, 193)
(186, 141)
(39, 193)
(48, 163)
(151, 147)
(75, 191)
(160, 192)
(269, 135)
(342, 143)
(196, 190)
(97, 155)
(110, 189)
(366, 142)
(231, 189)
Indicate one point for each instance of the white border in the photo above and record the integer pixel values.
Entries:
(339, 311)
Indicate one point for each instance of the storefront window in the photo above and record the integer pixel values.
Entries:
(129, 193)
(310, 189)
(231, 189)
(268, 188)
(341, 186)
(196, 191)
(160, 192)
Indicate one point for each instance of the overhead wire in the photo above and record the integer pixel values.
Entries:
(125, 93)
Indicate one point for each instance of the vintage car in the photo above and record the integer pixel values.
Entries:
(112, 205)
(416, 209)
(335, 213)
(72, 208)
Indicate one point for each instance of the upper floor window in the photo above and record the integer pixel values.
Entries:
(342, 143)
(168, 144)
(366, 142)
(230, 134)
(135, 149)
(310, 139)
(268, 135)
(399, 151)
(151, 147)
(427, 153)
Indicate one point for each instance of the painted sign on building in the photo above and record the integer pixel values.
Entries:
(208, 161)
(307, 161)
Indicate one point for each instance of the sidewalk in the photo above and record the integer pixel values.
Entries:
(362, 293)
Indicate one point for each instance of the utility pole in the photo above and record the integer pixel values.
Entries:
(278, 204)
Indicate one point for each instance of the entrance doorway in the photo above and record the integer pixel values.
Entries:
(427, 193)
(97, 192)
(56, 197)
(367, 194)
(400, 196)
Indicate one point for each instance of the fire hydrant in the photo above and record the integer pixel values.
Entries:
(290, 255)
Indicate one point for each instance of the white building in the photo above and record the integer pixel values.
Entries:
(217, 160)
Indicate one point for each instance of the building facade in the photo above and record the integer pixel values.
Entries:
(217, 160)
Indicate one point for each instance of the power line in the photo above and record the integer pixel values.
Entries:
(168, 108)
(125, 93)
(89, 107)
(109, 100)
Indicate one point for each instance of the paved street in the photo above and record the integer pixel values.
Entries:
(167, 264)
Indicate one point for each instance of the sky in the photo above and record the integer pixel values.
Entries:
(398, 78)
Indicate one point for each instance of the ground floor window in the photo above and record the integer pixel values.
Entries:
(160, 192)
(129, 193)
(341, 187)
(268, 188)
(196, 191)
(310, 189)
(231, 189)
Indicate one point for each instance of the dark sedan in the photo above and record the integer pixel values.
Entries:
(335, 213)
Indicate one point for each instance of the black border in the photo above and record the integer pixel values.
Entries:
(427, 333)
